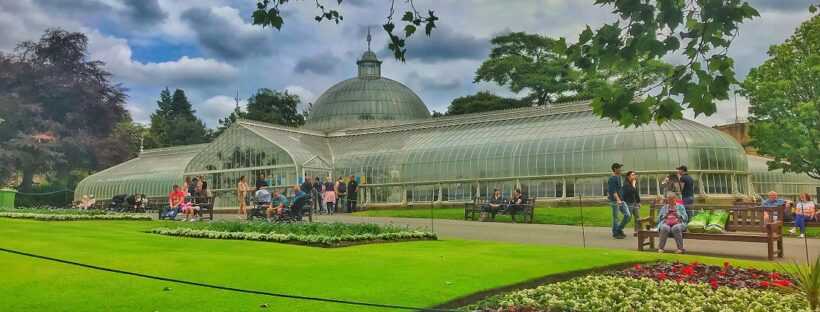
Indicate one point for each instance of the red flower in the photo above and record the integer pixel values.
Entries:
(764, 284)
(674, 268)
(783, 283)
(713, 283)
(722, 272)
(726, 263)
(662, 276)
(774, 275)
(637, 266)
(687, 271)
(695, 263)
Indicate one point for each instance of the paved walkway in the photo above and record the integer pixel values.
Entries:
(542, 234)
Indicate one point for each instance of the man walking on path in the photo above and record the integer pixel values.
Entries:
(687, 186)
(616, 193)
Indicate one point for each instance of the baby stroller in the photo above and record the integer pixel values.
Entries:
(294, 211)
(258, 212)
(117, 203)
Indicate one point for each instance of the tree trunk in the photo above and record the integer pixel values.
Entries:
(28, 180)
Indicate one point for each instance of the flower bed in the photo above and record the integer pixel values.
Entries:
(70, 215)
(713, 275)
(614, 293)
(335, 234)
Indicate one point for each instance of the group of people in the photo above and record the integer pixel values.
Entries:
(86, 202)
(679, 190)
(328, 196)
(331, 196)
(182, 200)
(497, 203)
(625, 197)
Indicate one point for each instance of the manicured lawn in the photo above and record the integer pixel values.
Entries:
(423, 273)
(600, 216)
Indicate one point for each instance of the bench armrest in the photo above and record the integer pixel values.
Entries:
(774, 227)
(645, 219)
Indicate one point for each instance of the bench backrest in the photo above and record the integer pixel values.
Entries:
(741, 218)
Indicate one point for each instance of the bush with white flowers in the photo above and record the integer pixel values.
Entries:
(70, 215)
(315, 234)
(611, 293)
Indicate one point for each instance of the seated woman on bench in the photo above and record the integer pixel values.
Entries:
(672, 219)
(278, 203)
(494, 204)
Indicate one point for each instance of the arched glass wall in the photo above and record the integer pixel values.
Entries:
(237, 152)
(786, 185)
(153, 173)
(549, 153)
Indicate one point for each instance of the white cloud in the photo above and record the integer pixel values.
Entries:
(186, 71)
(305, 95)
(217, 107)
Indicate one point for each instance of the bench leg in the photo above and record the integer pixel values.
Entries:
(652, 242)
(640, 241)
(771, 249)
(780, 247)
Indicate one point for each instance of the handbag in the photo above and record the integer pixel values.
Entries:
(485, 217)
(672, 218)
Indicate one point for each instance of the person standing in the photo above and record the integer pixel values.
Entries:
(205, 191)
(632, 198)
(352, 193)
(317, 194)
(670, 184)
(242, 190)
(687, 186)
(329, 195)
(260, 182)
(341, 191)
(307, 188)
(616, 195)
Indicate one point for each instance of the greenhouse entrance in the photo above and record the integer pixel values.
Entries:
(317, 168)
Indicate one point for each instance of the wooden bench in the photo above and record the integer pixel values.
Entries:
(473, 207)
(745, 224)
(529, 209)
(206, 206)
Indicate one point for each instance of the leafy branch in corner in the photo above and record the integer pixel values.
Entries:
(268, 13)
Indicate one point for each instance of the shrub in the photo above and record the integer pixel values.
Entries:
(611, 293)
(315, 234)
(47, 214)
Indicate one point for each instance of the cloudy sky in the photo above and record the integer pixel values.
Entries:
(209, 48)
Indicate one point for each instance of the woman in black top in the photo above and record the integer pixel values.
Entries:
(632, 197)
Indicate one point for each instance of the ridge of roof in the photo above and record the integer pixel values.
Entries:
(470, 118)
(182, 149)
(301, 130)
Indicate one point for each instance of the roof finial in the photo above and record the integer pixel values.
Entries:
(368, 38)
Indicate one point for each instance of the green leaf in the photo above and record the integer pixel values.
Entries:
(672, 43)
(409, 30)
(812, 8)
(428, 29)
(275, 19)
(388, 27)
(408, 16)
(585, 35)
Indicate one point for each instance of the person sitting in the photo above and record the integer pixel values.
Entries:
(773, 201)
(194, 188)
(83, 203)
(91, 202)
(804, 211)
(278, 203)
(517, 204)
(494, 204)
(175, 199)
(190, 208)
(672, 219)
(300, 198)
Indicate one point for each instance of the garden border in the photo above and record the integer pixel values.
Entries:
(532, 283)
(74, 217)
(294, 239)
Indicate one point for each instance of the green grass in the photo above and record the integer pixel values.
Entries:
(423, 273)
(598, 216)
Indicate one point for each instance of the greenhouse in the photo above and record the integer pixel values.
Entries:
(382, 133)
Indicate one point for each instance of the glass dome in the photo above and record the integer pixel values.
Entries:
(365, 99)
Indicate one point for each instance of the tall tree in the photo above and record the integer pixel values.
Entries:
(275, 107)
(63, 106)
(483, 101)
(528, 62)
(784, 110)
(174, 122)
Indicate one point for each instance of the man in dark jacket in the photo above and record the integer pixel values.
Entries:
(352, 193)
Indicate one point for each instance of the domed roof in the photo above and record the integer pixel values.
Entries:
(366, 98)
